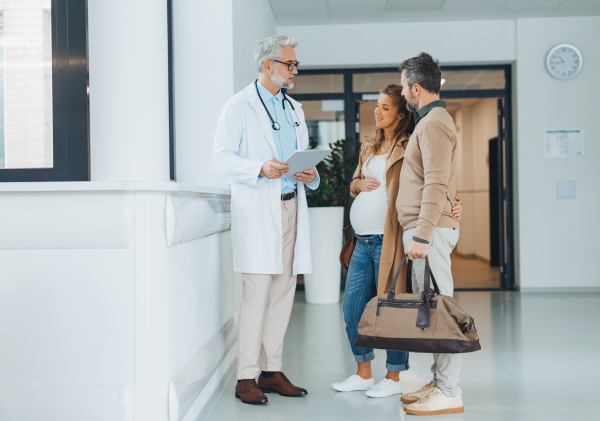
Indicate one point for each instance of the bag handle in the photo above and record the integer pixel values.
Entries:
(392, 289)
(428, 275)
(427, 282)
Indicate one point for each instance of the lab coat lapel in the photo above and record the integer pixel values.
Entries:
(300, 138)
(264, 121)
(301, 135)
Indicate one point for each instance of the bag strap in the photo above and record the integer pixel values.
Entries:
(409, 277)
(392, 290)
(429, 278)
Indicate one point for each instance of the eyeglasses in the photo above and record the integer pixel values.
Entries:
(290, 65)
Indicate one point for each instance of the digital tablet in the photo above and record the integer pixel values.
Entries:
(304, 160)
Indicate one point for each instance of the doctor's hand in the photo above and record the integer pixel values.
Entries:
(306, 177)
(416, 250)
(272, 169)
(368, 184)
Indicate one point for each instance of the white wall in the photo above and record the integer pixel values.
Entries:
(98, 333)
(390, 43)
(213, 59)
(549, 230)
(558, 243)
(129, 103)
(203, 81)
(253, 20)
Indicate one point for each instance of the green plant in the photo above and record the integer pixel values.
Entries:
(336, 174)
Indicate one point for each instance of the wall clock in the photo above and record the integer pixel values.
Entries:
(564, 61)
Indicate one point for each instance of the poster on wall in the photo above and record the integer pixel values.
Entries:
(560, 143)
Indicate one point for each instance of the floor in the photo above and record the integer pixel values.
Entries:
(474, 273)
(539, 361)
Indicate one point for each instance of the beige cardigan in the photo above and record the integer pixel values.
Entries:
(428, 181)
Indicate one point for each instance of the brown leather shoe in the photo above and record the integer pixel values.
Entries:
(249, 392)
(280, 384)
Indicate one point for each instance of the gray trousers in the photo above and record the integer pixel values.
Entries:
(446, 367)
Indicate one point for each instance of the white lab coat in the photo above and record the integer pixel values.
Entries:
(243, 143)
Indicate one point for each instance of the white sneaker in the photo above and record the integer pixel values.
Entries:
(352, 383)
(385, 388)
(435, 403)
(413, 397)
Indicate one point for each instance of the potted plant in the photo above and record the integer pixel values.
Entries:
(326, 211)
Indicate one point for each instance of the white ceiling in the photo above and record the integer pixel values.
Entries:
(315, 12)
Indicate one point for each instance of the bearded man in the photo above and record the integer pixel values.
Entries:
(424, 204)
(258, 129)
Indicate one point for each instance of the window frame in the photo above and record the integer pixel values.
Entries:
(70, 99)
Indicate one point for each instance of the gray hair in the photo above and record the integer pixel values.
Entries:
(270, 49)
(423, 70)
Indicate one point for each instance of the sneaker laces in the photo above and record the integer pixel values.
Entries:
(382, 384)
(351, 378)
(424, 388)
(430, 394)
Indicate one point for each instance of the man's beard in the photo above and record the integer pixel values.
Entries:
(412, 104)
(280, 81)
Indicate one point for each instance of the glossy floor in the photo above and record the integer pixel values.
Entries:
(540, 360)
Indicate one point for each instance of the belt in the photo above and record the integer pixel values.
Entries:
(288, 196)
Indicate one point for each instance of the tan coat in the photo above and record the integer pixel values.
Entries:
(392, 249)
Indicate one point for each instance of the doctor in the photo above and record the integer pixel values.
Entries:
(258, 129)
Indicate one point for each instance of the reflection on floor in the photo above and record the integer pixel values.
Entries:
(538, 362)
(474, 273)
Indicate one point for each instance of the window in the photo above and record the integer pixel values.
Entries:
(452, 80)
(324, 121)
(317, 84)
(44, 107)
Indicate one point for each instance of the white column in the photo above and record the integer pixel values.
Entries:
(129, 104)
(203, 82)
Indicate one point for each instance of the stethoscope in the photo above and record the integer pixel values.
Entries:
(275, 125)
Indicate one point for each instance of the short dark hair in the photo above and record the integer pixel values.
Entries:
(423, 70)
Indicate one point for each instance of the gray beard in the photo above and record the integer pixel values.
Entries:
(280, 82)
(413, 107)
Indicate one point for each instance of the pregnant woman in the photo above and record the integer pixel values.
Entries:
(379, 250)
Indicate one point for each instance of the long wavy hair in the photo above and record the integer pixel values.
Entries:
(373, 144)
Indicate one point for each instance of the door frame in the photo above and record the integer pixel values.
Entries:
(349, 97)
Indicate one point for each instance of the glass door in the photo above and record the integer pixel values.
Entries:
(340, 103)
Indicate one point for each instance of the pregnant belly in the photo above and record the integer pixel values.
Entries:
(368, 212)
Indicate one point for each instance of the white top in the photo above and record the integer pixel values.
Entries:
(369, 209)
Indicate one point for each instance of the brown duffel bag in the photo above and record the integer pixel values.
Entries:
(429, 322)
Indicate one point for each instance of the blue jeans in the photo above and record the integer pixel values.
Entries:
(361, 284)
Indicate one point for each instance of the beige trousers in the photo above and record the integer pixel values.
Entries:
(446, 367)
(266, 307)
